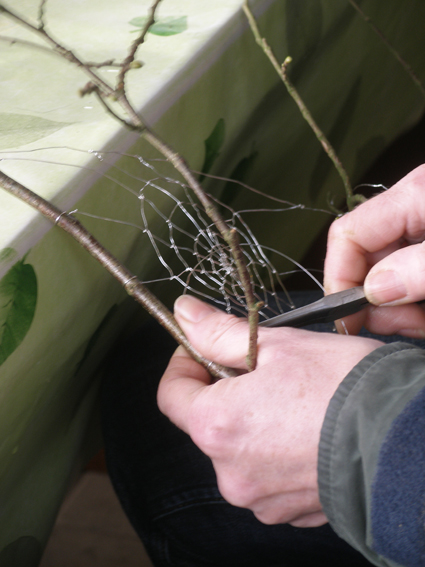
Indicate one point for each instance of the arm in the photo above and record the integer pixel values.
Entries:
(372, 450)
(372, 457)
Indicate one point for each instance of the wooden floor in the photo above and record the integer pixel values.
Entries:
(92, 530)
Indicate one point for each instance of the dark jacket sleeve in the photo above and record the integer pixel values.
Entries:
(372, 457)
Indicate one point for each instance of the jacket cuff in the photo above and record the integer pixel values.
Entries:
(357, 450)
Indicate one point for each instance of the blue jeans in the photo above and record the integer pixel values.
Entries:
(168, 488)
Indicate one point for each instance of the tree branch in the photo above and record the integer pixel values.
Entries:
(103, 90)
(351, 198)
(129, 60)
(41, 13)
(228, 235)
(133, 286)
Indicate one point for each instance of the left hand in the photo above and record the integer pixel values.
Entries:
(261, 429)
(381, 245)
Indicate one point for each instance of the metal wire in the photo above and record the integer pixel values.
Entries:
(189, 248)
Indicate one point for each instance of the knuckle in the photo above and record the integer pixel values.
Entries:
(273, 514)
(211, 429)
(277, 346)
(217, 334)
(235, 490)
(224, 330)
(268, 518)
(416, 176)
(337, 231)
(164, 398)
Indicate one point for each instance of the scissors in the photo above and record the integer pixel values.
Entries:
(326, 310)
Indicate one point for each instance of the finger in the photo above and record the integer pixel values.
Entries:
(406, 320)
(182, 381)
(393, 215)
(310, 521)
(352, 324)
(217, 335)
(287, 507)
(398, 278)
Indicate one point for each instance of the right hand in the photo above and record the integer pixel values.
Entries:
(260, 429)
(381, 245)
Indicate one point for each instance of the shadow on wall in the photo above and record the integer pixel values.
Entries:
(24, 551)
(404, 155)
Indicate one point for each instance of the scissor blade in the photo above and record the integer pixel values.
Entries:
(329, 308)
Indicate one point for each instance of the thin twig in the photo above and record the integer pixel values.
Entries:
(110, 111)
(351, 198)
(133, 286)
(107, 63)
(409, 70)
(252, 304)
(103, 90)
(61, 50)
(225, 231)
(32, 45)
(41, 13)
(128, 61)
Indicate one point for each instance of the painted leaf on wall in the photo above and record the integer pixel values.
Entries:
(166, 26)
(18, 299)
(19, 129)
(213, 146)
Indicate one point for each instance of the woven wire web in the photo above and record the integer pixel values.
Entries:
(202, 261)
(187, 244)
(207, 267)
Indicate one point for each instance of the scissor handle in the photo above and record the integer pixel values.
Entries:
(329, 308)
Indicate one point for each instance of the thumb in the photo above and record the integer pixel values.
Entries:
(215, 334)
(399, 278)
(182, 382)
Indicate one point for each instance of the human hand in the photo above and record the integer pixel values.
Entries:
(261, 429)
(381, 245)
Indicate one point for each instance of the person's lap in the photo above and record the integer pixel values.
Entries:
(167, 486)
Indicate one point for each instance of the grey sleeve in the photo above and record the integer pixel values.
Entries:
(372, 457)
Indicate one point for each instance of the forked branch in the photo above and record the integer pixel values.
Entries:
(110, 97)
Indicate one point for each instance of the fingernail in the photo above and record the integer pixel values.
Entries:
(384, 287)
(192, 309)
